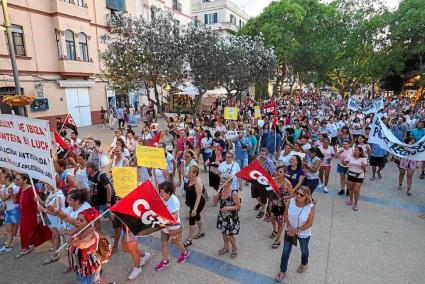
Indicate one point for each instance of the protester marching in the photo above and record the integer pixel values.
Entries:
(160, 178)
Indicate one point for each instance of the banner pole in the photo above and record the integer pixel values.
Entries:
(36, 199)
(82, 230)
(129, 160)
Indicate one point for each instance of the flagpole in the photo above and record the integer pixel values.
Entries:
(129, 160)
(63, 124)
(82, 230)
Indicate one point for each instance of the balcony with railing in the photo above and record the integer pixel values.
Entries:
(227, 26)
(74, 8)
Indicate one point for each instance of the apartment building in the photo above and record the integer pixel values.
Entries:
(57, 43)
(224, 16)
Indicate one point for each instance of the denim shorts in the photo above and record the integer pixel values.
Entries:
(12, 216)
(101, 209)
(341, 170)
(90, 279)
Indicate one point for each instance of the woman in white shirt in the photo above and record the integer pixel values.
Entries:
(357, 165)
(80, 173)
(173, 233)
(7, 190)
(298, 217)
(343, 154)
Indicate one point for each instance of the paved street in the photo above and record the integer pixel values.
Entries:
(381, 243)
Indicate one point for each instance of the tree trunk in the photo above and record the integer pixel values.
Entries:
(148, 94)
(158, 102)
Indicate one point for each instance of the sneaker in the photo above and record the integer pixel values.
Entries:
(134, 273)
(257, 206)
(183, 257)
(341, 192)
(325, 189)
(302, 268)
(144, 259)
(163, 264)
(320, 185)
(422, 176)
(5, 250)
(372, 178)
(400, 187)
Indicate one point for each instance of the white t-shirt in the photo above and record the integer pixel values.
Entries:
(286, 160)
(10, 204)
(170, 165)
(173, 205)
(355, 165)
(230, 169)
(327, 153)
(74, 214)
(82, 179)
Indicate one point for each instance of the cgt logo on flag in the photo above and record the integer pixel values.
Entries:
(258, 176)
(143, 211)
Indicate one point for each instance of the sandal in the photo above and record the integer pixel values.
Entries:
(273, 235)
(51, 260)
(234, 253)
(22, 253)
(276, 244)
(222, 251)
(280, 277)
(199, 235)
(187, 243)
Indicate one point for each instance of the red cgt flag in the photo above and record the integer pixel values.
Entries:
(155, 140)
(59, 141)
(270, 108)
(70, 123)
(143, 211)
(258, 176)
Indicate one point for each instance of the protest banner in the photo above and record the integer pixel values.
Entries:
(372, 106)
(231, 113)
(257, 112)
(150, 157)
(25, 146)
(382, 136)
(125, 180)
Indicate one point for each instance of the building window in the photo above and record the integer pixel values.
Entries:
(58, 43)
(18, 40)
(84, 50)
(232, 19)
(116, 5)
(210, 18)
(79, 3)
(70, 45)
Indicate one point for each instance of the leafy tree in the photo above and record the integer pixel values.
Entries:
(141, 53)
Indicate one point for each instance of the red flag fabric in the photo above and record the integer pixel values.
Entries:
(274, 118)
(155, 140)
(59, 141)
(255, 173)
(70, 123)
(270, 108)
(143, 211)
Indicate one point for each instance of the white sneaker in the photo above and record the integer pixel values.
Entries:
(144, 259)
(134, 273)
(320, 185)
(325, 189)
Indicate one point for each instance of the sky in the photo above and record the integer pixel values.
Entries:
(255, 7)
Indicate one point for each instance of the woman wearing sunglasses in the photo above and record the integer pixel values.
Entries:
(298, 217)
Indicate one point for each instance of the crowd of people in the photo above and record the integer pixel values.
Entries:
(298, 146)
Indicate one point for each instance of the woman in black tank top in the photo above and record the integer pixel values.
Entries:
(196, 202)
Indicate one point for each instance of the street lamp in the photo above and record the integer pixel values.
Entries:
(6, 26)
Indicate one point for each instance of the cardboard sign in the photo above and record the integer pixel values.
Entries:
(125, 180)
(25, 146)
(257, 112)
(231, 113)
(151, 157)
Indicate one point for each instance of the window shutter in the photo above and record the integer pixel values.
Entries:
(215, 18)
(206, 18)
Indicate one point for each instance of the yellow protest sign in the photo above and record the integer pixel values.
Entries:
(231, 113)
(125, 180)
(151, 157)
(257, 112)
